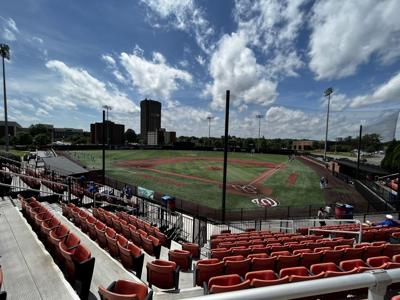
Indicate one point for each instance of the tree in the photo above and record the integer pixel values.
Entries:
(23, 138)
(41, 139)
(371, 142)
(39, 128)
(130, 136)
(391, 161)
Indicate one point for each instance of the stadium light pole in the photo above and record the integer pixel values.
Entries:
(327, 93)
(209, 118)
(104, 148)
(5, 54)
(259, 117)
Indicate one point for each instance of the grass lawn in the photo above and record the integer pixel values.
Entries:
(304, 192)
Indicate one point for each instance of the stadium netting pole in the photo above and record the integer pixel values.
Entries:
(359, 153)
(225, 155)
(104, 148)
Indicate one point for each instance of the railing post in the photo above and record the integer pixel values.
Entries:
(378, 291)
(69, 189)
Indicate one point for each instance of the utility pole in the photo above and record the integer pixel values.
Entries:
(327, 93)
(259, 117)
(104, 149)
(5, 54)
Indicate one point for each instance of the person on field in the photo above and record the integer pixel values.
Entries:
(322, 182)
(321, 216)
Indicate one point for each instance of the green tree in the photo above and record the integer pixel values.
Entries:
(371, 142)
(41, 139)
(130, 136)
(23, 138)
(391, 161)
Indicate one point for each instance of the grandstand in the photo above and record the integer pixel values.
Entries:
(61, 238)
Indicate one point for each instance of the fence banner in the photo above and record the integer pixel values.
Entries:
(145, 193)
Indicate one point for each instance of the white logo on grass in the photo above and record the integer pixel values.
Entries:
(265, 202)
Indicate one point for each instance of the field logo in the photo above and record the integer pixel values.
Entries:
(265, 202)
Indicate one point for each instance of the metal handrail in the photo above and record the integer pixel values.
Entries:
(376, 281)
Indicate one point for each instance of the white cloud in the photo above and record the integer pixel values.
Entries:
(234, 67)
(81, 88)
(386, 92)
(184, 15)
(109, 60)
(9, 29)
(346, 34)
(200, 59)
(153, 78)
(41, 112)
(273, 27)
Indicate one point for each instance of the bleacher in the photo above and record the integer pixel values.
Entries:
(236, 261)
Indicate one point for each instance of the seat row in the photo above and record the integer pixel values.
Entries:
(250, 232)
(238, 264)
(288, 246)
(116, 244)
(263, 240)
(254, 279)
(73, 258)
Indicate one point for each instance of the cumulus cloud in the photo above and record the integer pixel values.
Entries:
(184, 15)
(387, 92)
(234, 67)
(109, 60)
(346, 34)
(81, 88)
(153, 78)
(9, 29)
(273, 27)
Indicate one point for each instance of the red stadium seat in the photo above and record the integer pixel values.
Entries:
(240, 251)
(382, 262)
(300, 251)
(258, 255)
(277, 253)
(322, 249)
(353, 253)
(135, 236)
(227, 283)
(125, 290)
(391, 249)
(163, 274)
(48, 226)
(332, 256)
(207, 268)
(358, 264)
(111, 237)
(220, 253)
(298, 274)
(279, 248)
(265, 278)
(131, 257)
(236, 266)
(308, 259)
(259, 249)
(125, 231)
(266, 263)
(284, 261)
(90, 224)
(182, 258)
(57, 235)
(194, 249)
(100, 228)
(372, 251)
(324, 267)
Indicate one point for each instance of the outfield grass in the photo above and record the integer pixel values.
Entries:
(306, 190)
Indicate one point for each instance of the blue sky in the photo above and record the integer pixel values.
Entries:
(277, 57)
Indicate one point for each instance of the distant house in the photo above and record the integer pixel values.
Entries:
(302, 145)
(13, 128)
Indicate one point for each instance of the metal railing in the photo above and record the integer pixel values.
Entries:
(376, 281)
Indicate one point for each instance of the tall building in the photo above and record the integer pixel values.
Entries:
(114, 133)
(150, 118)
(13, 128)
(63, 133)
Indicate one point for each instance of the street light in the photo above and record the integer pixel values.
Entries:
(5, 54)
(327, 93)
(209, 118)
(259, 117)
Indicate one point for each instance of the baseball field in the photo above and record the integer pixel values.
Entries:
(253, 180)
